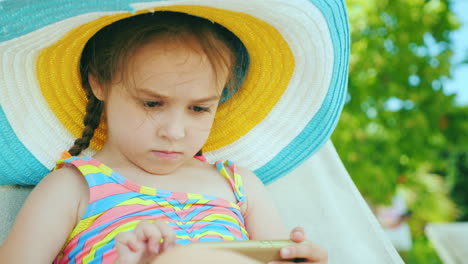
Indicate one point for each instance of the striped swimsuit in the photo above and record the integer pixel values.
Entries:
(118, 205)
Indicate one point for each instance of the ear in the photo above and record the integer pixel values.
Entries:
(98, 89)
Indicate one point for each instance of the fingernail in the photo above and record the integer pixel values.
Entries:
(133, 246)
(298, 235)
(285, 253)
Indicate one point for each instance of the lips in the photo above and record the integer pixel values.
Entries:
(166, 155)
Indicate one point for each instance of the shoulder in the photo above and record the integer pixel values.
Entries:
(68, 186)
(46, 218)
(64, 179)
(250, 180)
(253, 188)
(259, 210)
(248, 177)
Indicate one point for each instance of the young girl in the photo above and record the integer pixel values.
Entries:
(157, 80)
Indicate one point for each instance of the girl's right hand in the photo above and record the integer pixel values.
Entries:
(145, 243)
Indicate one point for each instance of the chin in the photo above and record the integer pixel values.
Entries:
(161, 167)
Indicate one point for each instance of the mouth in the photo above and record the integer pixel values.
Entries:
(166, 155)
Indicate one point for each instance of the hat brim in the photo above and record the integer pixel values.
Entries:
(286, 109)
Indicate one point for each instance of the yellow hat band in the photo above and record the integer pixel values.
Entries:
(270, 70)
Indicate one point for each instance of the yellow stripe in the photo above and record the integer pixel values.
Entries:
(111, 235)
(134, 201)
(271, 68)
(194, 196)
(225, 237)
(148, 190)
(82, 225)
(89, 169)
(106, 170)
(213, 217)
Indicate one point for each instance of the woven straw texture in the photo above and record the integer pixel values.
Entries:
(285, 111)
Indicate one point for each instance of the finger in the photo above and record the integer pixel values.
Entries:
(167, 233)
(309, 251)
(293, 261)
(298, 234)
(127, 241)
(150, 235)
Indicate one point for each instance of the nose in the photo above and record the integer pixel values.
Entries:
(171, 125)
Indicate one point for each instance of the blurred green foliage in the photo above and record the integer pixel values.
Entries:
(458, 182)
(422, 253)
(398, 128)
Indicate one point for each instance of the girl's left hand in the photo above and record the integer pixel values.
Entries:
(144, 244)
(312, 253)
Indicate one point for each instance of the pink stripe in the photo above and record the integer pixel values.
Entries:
(123, 210)
(236, 232)
(202, 215)
(104, 190)
(79, 162)
(133, 186)
(94, 162)
(116, 224)
(212, 236)
(99, 237)
(109, 257)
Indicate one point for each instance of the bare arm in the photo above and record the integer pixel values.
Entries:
(46, 219)
(262, 219)
(263, 222)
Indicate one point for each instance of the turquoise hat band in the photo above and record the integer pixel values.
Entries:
(27, 172)
(20, 165)
(317, 132)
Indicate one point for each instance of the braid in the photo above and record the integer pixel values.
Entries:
(91, 121)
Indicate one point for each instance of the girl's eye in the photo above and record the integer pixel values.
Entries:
(200, 109)
(151, 104)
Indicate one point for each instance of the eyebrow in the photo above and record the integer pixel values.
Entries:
(207, 99)
(211, 98)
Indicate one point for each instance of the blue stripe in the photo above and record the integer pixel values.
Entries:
(98, 255)
(107, 203)
(17, 163)
(96, 179)
(320, 127)
(20, 17)
(90, 233)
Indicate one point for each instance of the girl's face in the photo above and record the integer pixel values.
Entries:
(161, 116)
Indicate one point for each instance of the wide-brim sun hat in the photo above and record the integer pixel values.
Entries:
(285, 111)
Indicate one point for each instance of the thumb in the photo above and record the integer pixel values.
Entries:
(297, 235)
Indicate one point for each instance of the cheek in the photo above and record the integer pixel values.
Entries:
(200, 130)
(123, 116)
(202, 125)
(196, 139)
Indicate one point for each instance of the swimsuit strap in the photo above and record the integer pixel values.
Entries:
(229, 171)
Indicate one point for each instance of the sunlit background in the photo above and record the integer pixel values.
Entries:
(403, 134)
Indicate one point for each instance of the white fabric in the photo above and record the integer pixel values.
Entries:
(450, 241)
(298, 21)
(319, 195)
(28, 106)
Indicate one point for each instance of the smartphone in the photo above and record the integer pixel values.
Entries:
(260, 250)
